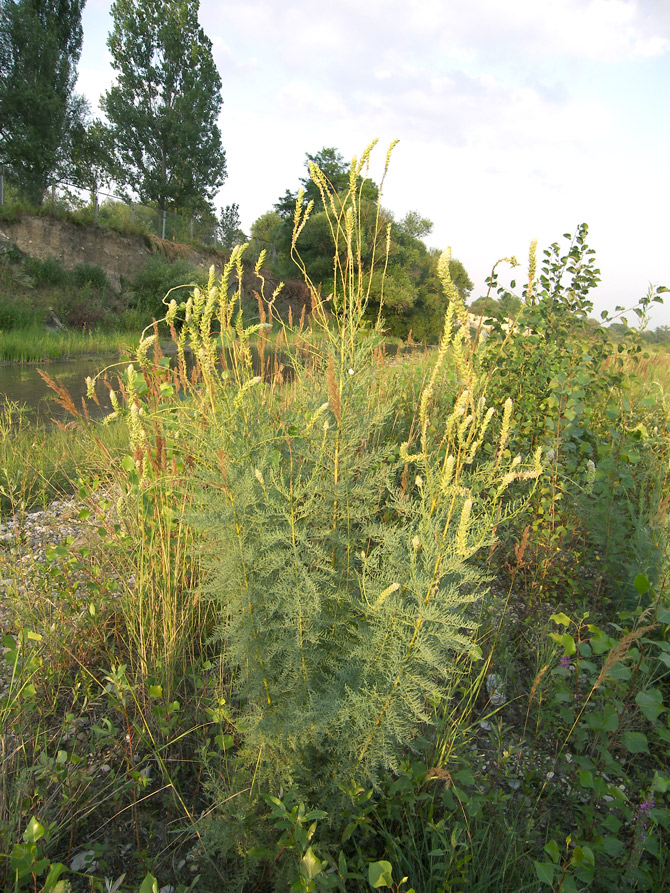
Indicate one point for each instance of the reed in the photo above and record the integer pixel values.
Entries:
(34, 345)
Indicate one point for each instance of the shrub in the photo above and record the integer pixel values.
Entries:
(15, 314)
(156, 279)
(49, 271)
(573, 402)
(82, 309)
(340, 560)
(90, 274)
(10, 253)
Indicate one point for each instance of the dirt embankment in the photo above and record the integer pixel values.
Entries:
(118, 255)
(123, 256)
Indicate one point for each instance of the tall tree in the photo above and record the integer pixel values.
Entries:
(331, 163)
(409, 286)
(165, 104)
(91, 156)
(40, 45)
(230, 231)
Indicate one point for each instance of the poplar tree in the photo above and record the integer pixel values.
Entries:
(40, 46)
(164, 106)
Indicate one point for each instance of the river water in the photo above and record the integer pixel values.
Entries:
(22, 384)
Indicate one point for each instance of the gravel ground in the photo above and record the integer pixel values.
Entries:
(24, 541)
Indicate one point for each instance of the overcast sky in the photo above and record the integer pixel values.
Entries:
(516, 120)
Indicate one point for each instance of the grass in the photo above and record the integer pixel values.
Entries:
(39, 462)
(34, 345)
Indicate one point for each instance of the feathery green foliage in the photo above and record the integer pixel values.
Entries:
(340, 560)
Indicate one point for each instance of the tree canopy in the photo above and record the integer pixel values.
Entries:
(164, 107)
(331, 163)
(230, 231)
(40, 45)
(413, 298)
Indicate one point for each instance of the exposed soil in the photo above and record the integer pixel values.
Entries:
(118, 255)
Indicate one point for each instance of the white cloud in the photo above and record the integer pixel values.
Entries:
(517, 119)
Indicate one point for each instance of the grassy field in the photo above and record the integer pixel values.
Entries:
(361, 622)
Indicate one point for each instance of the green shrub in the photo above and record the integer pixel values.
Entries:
(49, 271)
(16, 314)
(10, 253)
(340, 559)
(82, 309)
(156, 279)
(90, 274)
(574, 403)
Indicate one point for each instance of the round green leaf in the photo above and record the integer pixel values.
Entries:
(545, 872)
(650, 703)
(635, 742)
(380, 874)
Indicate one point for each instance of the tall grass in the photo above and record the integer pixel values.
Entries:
(39, 463)
(34, 344)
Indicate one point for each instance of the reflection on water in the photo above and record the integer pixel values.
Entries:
(23, 384)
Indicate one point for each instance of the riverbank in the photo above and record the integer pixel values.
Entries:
(36, 345)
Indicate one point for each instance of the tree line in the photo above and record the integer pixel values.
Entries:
(160, 143)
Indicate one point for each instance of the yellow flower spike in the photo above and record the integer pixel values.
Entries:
(388, 153)
(349, 222)
(171, 314)
(260, 261)
(532, 271)
(506, 424)
(485, 423)
(354, 170)
(447, 473)
(143, 347)
(394, 587)
(463, 527)
(406, 456)
(463, 427)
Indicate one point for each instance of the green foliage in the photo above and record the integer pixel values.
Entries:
(17, 314)
(608, 697)
(344, 594)
(278, 616)
(164, 107)
(156, 278)
(90, 274)
(229, 227)
(49, 271)
(92, 156)
(336, 171)
(572, 401)
(408, 285)
(40, 45)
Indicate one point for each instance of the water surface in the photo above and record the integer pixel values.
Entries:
(22, 384)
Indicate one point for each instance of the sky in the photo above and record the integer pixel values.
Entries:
(516, 120)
